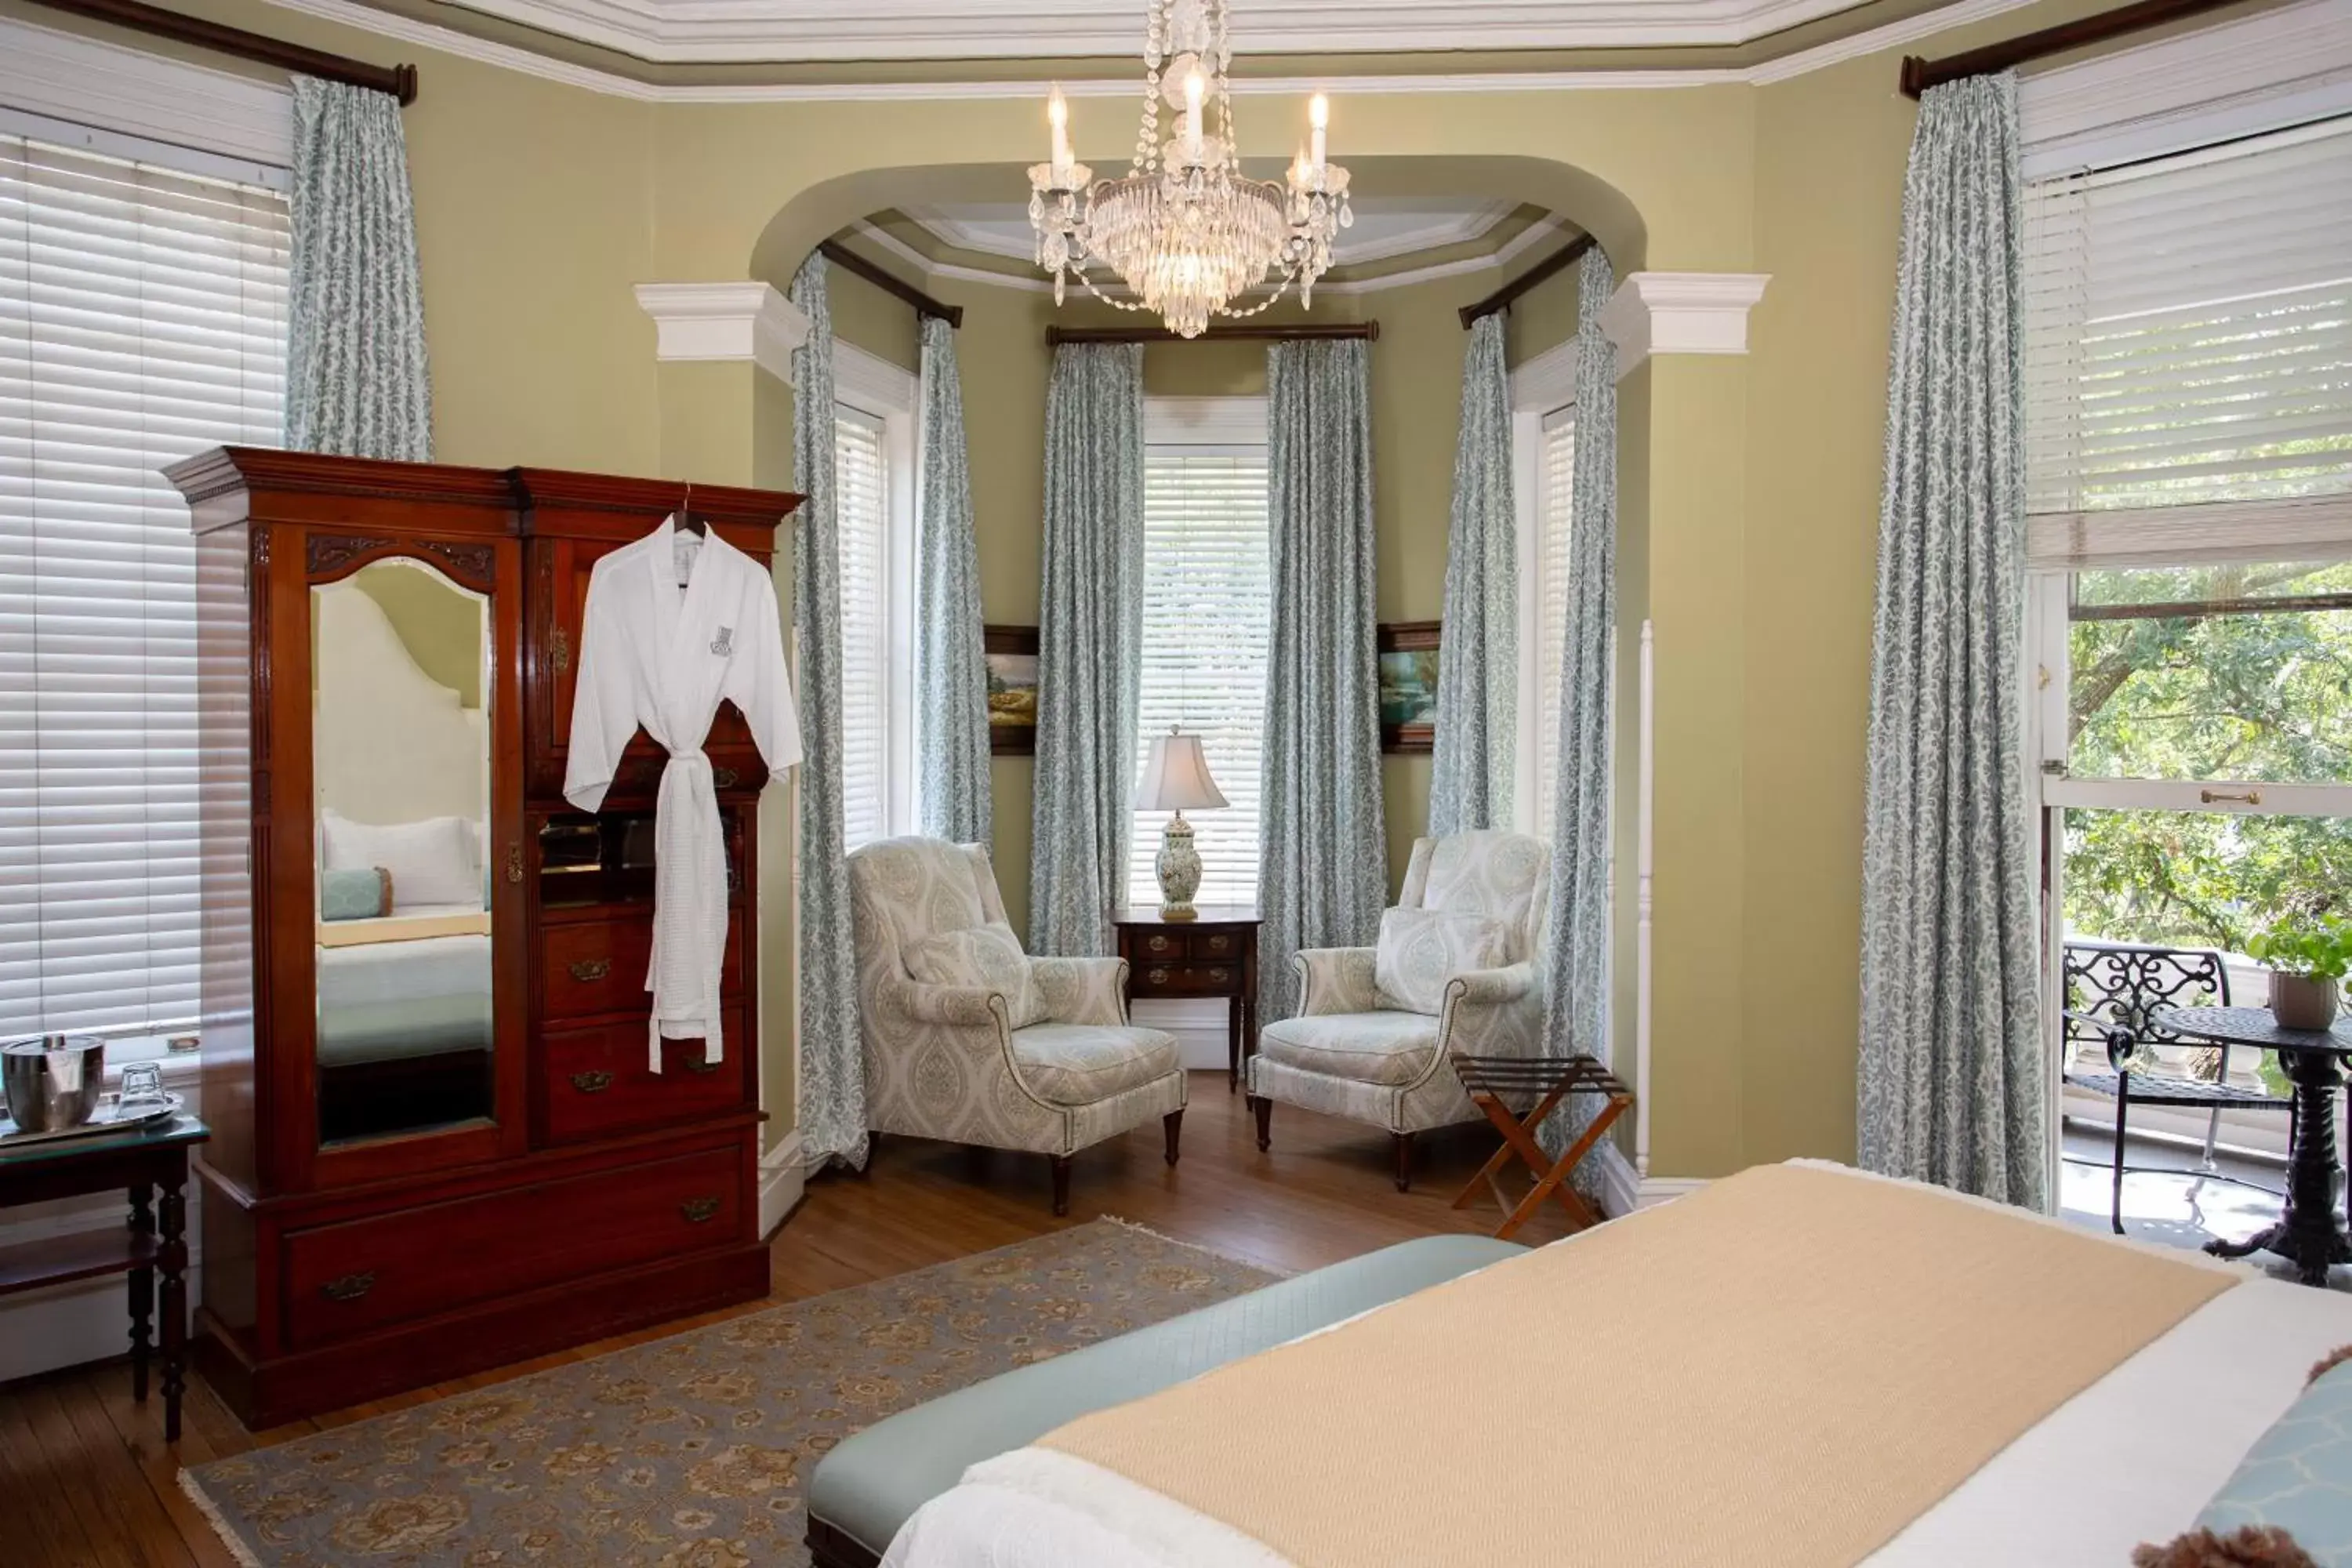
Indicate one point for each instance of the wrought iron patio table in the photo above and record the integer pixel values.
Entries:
(2310, 1233)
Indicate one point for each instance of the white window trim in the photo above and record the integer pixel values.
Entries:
(874, 386)
(2257, 73)
(1543, 394)
(83, 93)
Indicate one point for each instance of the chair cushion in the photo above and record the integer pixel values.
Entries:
(1078, 1064)
(1420, 950)
(871, 1484)
(1371, 1048)
(987, 955)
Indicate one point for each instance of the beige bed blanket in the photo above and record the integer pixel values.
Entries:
(1785, 1368)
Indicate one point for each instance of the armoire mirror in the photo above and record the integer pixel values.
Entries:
(401, 761)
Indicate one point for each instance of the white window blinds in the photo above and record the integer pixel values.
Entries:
(861, 521)
(141, 319)
(2189, 338)
(1551, 607)
(1207, 600)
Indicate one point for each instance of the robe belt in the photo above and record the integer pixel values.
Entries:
(686, 817)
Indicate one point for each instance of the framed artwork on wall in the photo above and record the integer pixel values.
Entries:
(1408, 659)
(1012, 689)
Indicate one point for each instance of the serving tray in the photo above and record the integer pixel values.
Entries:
(109, 1117)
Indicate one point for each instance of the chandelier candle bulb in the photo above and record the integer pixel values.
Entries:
(1058, 110)
(1319, 117)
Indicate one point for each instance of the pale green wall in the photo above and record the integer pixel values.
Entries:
(1749, 485)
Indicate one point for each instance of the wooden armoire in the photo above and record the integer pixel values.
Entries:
(438, 1146)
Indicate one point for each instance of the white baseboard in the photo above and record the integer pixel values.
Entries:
(1202, 1027)
(1623, 1190)
(783, 1176)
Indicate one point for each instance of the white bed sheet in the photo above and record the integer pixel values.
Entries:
(382, 1000)
(2132, 1457)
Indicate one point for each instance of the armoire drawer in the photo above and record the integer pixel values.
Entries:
(598, 1079)
(345, 1278)
(592, 968)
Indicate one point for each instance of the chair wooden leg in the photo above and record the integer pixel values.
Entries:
(1404, 1162)
(1264, 1123)
(2123, 1101)
(1061, 1184)
(1173, 1125)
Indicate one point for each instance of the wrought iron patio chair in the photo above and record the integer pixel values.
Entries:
(2112, 991)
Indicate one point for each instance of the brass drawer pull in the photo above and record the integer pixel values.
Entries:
(1220, 976)
(1156, 976)
(1220, 943)
(722, 778)
(350, 1288)
(1160, 944)
(593, 1082)
(698, 1210)
(700, 1064)
(560, 651)
(588, 970)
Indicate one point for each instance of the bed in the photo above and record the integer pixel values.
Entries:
(1797, 1366)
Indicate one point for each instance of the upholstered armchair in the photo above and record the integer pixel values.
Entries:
(969, 1039)
(1376, 1052)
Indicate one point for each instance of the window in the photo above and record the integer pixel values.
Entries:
(862, 512)
(2189, 468)
(1548, 593)
(1207, 605)
(874, 508)
(141, 319)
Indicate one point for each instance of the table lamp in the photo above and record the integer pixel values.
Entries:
(1175, 777)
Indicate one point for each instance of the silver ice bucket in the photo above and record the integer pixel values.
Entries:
(52, 1081)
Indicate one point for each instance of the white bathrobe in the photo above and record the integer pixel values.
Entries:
(673, 625)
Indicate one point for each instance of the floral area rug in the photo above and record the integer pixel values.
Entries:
(691, 1451)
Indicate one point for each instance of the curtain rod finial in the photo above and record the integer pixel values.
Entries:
(1915, 76)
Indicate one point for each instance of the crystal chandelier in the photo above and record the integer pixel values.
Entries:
(1184, 228)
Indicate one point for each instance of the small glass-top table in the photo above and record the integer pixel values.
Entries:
(152, 1246)
(2310, 1233)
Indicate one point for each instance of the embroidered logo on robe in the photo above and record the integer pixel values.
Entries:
(724, 643)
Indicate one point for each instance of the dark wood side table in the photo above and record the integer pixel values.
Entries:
(142, 1161)
(2310, 1233)
(1214, 955)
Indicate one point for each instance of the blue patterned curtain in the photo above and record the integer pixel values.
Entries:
(1472, 774)
(1950, 1081)
(832, 1062)
(356, 383)
(1575, 972)
(1322, 851)
(1089, 640)
(951, 657)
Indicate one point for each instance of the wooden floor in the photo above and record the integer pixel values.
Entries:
(86, 1480)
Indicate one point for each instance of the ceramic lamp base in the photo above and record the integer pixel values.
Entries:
(1179, 871)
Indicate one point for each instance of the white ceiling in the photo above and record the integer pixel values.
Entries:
(693, 31)
(1385, 226)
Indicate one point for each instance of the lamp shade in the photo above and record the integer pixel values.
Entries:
(1176, 776)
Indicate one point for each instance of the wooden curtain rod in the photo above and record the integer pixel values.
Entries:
(1369, 332)
(851, 262)
(398, 80)
(1503, 298)
(1919, 75)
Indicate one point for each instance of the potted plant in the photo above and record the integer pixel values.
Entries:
(2307, 960)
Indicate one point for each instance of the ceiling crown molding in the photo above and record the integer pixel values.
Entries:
(679, 32)
(1680, 314)
(489, 51)
(725, 321)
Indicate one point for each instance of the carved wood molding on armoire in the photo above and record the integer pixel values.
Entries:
(438, 1142)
